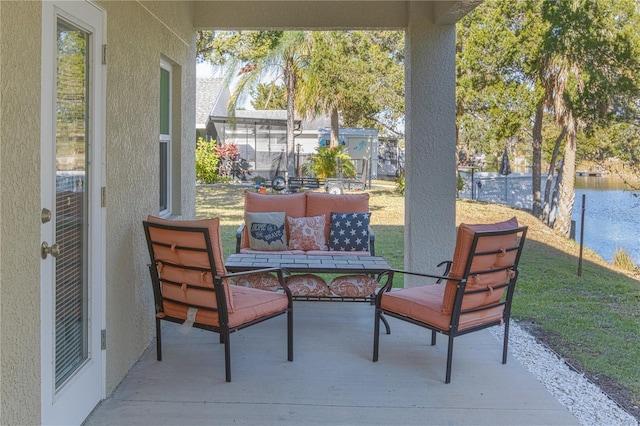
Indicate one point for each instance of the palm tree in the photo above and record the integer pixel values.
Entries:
(253, 57)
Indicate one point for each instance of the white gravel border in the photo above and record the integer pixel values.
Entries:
(584, 400)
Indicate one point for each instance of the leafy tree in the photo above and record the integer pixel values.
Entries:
(256, 56)
(493, 98)
(572, 63)
(591, 66)
(357, 76)
(269, 96)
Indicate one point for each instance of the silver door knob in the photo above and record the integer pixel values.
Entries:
(45, 215)
(53, 250)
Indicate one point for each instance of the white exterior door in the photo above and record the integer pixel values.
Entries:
(72, 268)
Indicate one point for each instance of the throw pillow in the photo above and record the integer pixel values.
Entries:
(307, 285)
(349, 232)
(266, 231)
(262, 281)
(353, 285)
(307, 233)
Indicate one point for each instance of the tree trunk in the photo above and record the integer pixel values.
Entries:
(335, 127)
(553, 209)
(546, 208)
(536, 161)
(290, 156)
(562, 223)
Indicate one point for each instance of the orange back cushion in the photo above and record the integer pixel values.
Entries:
(461, 257)
(201, 260)
(294, 205)
(320, 203)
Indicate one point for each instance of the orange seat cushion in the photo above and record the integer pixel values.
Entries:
(424, 304)
(250, 304)
(461, 256)
(165, 254)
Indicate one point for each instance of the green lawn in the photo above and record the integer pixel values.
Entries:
(593, 321)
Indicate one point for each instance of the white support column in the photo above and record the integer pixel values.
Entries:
(430, 141)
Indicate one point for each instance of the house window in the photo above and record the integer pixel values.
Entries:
(165, 137)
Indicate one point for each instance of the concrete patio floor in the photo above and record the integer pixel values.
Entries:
(331, 380)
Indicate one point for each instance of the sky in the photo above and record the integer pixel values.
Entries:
(204, 70)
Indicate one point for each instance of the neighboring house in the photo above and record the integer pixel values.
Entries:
(261, 135)
(100, 98)
(212, 95)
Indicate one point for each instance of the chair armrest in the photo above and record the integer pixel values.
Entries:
(447, 268)
(372, 241)
(391, 272)
(239, 237)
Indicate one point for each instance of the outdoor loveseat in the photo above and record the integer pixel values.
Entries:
(311, 224)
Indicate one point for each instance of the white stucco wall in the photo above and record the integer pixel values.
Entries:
(138, 36)
(20, 212)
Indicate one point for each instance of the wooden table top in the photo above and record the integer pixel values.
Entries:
(342, 264)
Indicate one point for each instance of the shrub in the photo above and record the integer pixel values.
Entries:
(623, 260)
(400, 183)
(327, 162)
(206, 161)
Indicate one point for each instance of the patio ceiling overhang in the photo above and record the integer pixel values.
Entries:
(323, 14)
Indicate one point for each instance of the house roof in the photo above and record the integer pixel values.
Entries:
(207, 94)
(273, 117)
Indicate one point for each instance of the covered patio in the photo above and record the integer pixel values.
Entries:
(140, 148)
(332, 379)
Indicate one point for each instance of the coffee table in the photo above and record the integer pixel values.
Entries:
(299, 263)
(327, 264)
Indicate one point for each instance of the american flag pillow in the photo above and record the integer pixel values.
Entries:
(349, 232)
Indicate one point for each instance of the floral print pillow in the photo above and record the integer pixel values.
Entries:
(307, 233)
(307, 285)
(353, 285)
(261, 281)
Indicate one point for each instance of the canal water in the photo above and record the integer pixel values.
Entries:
(612, 216)
(611, 209)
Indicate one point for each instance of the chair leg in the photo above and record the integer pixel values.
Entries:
(290, 334)
(433, 338)
(449, 359)
(505, 342)
(376, 334)
(227, 355)
(158, 339)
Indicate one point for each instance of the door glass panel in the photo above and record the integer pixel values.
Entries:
(71, 295)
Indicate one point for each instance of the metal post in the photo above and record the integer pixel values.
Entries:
(506, 191)
(584, 196)
(473, 184)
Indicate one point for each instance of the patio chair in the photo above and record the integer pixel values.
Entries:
(477, 294)
(191, 284)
